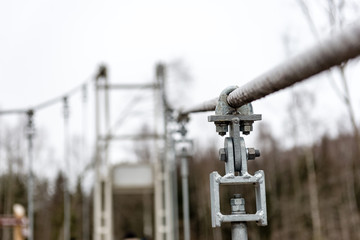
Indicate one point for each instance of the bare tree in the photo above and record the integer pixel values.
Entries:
(301, 122)
(335, 11)
(12, 148)
(336, 18)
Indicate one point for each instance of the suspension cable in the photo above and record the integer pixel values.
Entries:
(330, 52)
(49, 102)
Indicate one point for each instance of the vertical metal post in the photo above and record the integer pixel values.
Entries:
(238, 229)
(167, 190)
(107, 178)
(174, 187)
(30, 182)
(103, 187)
(108, 181)
(85, 202)
(184, 155)
(185, 194)
(97, 183)
(67, 210)
(160, 216)
(158, 195)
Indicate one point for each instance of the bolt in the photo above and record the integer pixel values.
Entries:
(182, 131)
(246, 127)
(252, 153)
(237, 204)
(222, 155)
(221, 128)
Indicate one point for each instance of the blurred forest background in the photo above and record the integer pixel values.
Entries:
(313, 192)
(313, 187)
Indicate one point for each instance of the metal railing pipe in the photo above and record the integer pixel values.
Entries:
(332, 51)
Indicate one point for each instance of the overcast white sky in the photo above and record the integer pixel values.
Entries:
(48, 47)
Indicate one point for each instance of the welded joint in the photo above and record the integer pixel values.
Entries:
(257, 179)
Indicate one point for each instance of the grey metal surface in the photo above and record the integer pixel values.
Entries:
(201, 107)
(174, 178)
(237, 140)
(97, 184)
(229, 151)
(166, 168)
(222, 107)
(253, 117)
(235, 155)
(85, 216)
(258, 179)
(102, 186)
(30, 183)
(13, 111)
(238, 229)
(215, 200)
(185, 196)
(159, 212)
(234, 146)
(67, 213)
(332, 51)
(184, 154)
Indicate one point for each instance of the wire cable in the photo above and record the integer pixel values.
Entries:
(49, 102)
(330, 52)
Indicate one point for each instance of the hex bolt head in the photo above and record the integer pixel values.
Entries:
(222, 155)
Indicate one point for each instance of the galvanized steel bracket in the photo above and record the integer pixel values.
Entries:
(224, 114)
(258, 179)
(235, 155)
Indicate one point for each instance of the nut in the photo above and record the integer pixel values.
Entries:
(237, 204)
(252, 153)
(221, 128)
(246, 127)
(222, 155)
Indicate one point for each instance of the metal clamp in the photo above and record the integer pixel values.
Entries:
(235, 155)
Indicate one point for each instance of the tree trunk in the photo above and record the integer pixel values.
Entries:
(313, 195)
